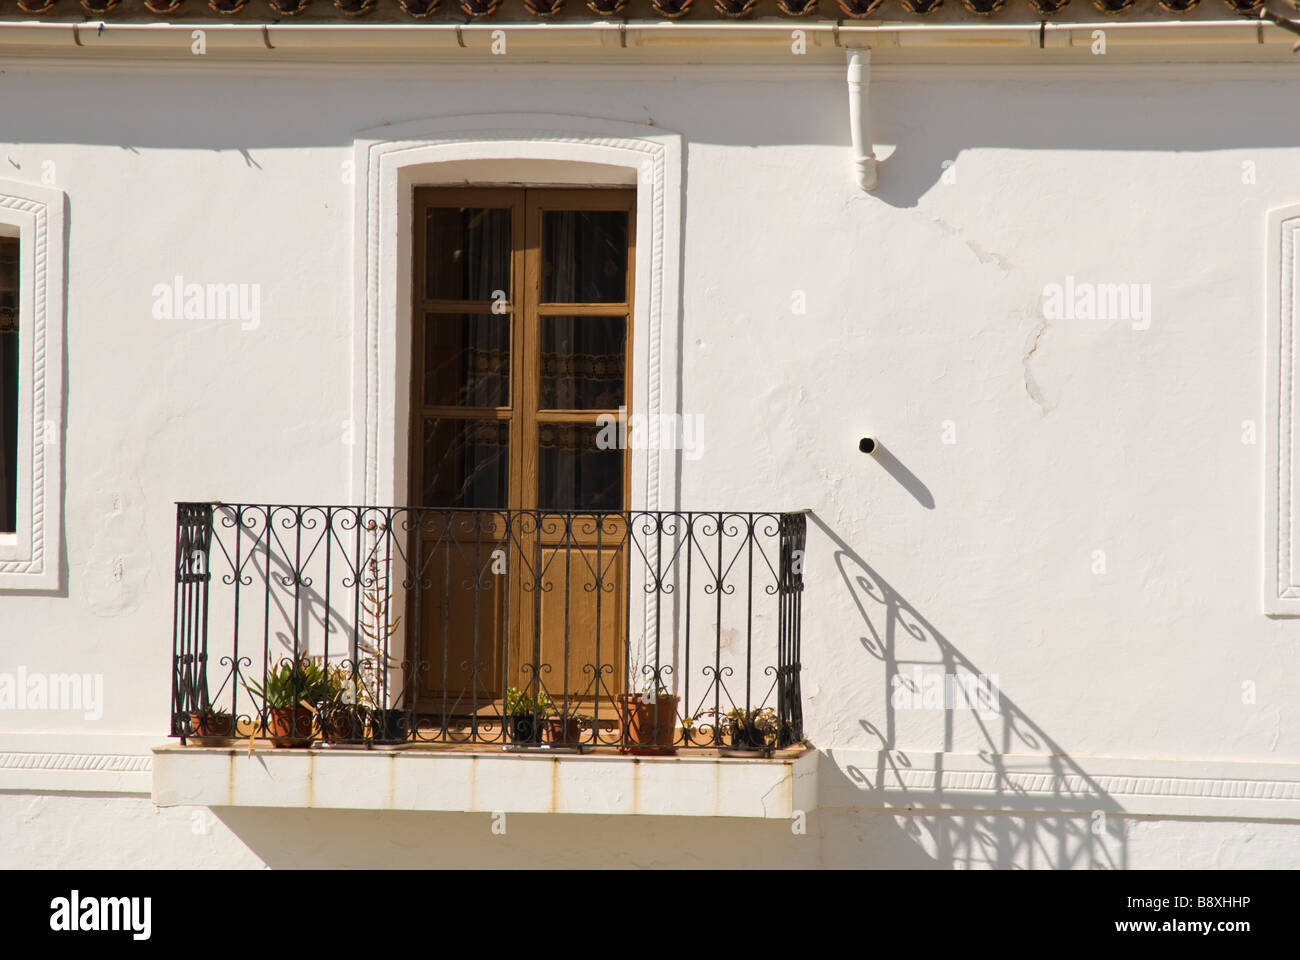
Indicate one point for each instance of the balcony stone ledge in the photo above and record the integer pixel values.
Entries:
(486, 782)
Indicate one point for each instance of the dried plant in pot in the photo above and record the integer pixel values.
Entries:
(565, 729)
(523, 716)
(389, 726)
(290, 695)
(343, 710)
(649, 721)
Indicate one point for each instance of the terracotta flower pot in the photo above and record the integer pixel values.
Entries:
(649, 729)
(563, 731)
(291, 726)
(205, 727)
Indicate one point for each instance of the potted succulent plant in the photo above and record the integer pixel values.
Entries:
(211, 726)
(290, 694)
(649, 720)
(523, 715)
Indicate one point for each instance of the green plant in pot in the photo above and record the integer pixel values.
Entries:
(290, 694)
(648, 719)
(739, 731)
(750, 731)
(523, 715)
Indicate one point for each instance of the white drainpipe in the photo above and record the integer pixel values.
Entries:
(864, 154)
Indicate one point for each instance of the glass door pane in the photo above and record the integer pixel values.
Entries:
(583, 362)
(584, 256)
(467, 253)
(577, 469)
(466, 463)
(467, 360)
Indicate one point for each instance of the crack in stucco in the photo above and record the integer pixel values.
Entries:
(1032, 388)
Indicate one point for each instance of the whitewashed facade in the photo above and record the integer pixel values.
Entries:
(1065, 313)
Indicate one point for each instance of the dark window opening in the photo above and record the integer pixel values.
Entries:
(8, 384)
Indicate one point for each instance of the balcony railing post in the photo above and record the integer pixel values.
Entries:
(790, 589)
(190, 621)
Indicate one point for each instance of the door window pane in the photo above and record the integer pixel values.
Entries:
(8, 385)
(584, 256)
(583, 361)
(468, 253)
(574, 473)
(467, 360)
(465, 463)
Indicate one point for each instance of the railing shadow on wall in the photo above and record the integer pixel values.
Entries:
(1057, 817)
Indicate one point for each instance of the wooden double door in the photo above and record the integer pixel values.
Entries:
(521, 360)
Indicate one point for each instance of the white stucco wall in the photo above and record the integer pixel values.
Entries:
(924, 324)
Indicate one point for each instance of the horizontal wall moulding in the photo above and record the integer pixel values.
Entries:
(51, 773)
(916, 780)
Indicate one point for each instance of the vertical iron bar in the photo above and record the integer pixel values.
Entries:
(749, 616)
(268, 512)
(568, 600)
(689, 520)
(234, 653)
(178, 728)
(478, 584)
(717, 634)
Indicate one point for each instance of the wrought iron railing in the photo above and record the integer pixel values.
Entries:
(646, 631)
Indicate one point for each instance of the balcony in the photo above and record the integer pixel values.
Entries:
(655, 634)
